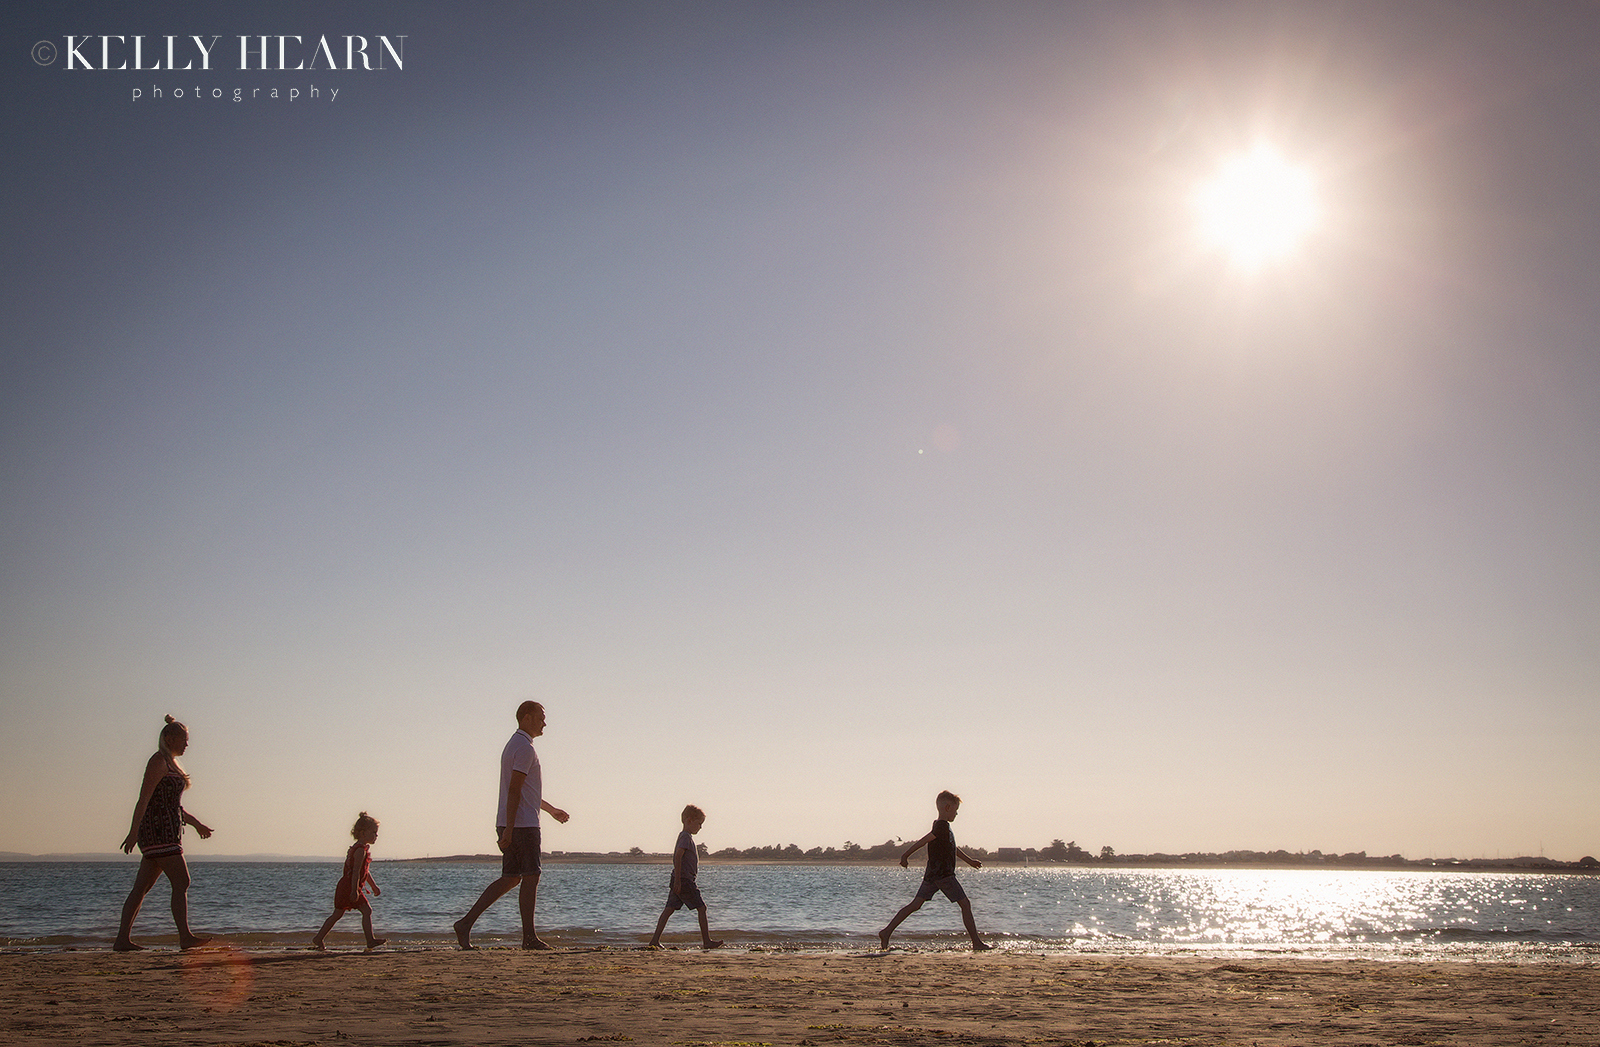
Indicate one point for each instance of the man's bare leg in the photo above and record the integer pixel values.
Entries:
(491, 894)
(527, 901)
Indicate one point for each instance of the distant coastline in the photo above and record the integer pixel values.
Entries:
(1230, 860)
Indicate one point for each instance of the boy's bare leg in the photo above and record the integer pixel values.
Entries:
(978, 944)
(705, 932)
(899, 918)
(143, 880)
(527, 901)
(491, 894)
(661, 925)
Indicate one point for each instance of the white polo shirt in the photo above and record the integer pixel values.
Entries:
(519, 756)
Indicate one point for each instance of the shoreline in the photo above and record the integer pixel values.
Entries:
(266, 947)
(442, 996)
(1473, 865)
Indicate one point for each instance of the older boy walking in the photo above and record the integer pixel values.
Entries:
(940, 874)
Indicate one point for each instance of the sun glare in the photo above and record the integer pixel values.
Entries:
(1257, 208)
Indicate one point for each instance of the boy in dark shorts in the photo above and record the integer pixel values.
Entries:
(941, 872)
(685, 863)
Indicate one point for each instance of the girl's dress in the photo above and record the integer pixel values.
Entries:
(352, 888)
(161, 828)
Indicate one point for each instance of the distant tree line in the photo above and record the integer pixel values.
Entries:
(850, 852)
(1068, 852)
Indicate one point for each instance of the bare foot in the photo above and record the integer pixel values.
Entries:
(463, 932)
(708, 946)
(375, 943)
(125, 945)
(316, 943)
(883, 939)
(193, 943)
(535, 944)
(981, 947)
(653, 945)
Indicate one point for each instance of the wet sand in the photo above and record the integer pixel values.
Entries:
(493, 996)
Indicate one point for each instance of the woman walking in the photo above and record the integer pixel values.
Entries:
(158, 821)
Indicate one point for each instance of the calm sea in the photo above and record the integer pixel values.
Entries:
(1389, 915)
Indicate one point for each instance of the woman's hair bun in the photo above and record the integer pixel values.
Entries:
(171, 718)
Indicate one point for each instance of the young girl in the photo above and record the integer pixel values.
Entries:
(351, 891)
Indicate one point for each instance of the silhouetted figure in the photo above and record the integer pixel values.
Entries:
(158, 821)
(521, 800)
(683, 890)
(350, 892)
(940, 874)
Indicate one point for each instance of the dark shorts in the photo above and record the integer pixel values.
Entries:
(522, 857)
(948, 884)
(689, 895)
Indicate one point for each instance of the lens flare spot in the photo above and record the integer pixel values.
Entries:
(1257, 207)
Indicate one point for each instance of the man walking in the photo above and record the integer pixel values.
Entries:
(521, 800)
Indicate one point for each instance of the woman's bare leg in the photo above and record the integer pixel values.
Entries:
(143, 880)
(177, 871)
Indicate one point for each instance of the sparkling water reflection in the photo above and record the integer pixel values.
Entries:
(1215, 912)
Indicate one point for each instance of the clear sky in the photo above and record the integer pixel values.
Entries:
(815, 406)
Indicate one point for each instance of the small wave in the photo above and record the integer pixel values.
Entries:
(1464, 934)
(52, 942)
(1505, 934)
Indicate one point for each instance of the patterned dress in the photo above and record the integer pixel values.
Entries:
(161, 829)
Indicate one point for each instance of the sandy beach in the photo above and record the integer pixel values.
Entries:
(436, 996)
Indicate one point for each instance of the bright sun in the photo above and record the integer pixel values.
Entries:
(1256, 208)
